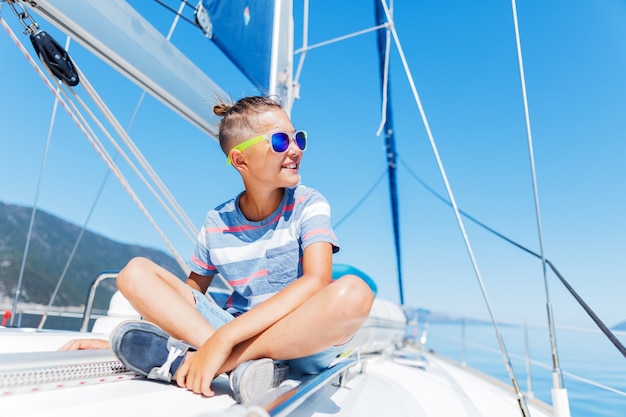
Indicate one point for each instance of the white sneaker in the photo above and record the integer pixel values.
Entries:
(254, 378)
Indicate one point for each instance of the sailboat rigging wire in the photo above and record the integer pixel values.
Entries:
(340, 38)
(175, 21)
(534, 362)
(183, 215)
(306, 47)
(507, 361)
(305, 41)
(590, 312)
(562, 407)
(361, 200)
(20, 279)
(179, 13)
(36, 199)
(91, 91)
(192, 230)
(44, 316)
(607, 332)
(101, 151)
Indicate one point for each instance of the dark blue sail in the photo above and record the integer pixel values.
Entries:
(242, 29)
(390, 144)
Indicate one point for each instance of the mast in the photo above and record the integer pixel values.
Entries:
(281, 74)
(390, 142)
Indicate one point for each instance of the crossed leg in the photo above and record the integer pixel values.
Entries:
(163, 299)
(330, 317)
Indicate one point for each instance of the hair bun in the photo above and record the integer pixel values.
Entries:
(221, 109)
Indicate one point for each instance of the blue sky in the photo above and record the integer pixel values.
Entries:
(463, 60)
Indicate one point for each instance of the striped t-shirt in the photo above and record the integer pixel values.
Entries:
(259, 259)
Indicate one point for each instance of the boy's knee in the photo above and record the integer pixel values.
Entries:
(136, 267)
(355, 295)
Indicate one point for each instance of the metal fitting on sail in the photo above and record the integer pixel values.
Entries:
(203, 20)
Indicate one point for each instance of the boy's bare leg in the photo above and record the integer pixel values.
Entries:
(161, 298)
(330, 317)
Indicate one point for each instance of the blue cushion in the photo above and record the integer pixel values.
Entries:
(340, 270)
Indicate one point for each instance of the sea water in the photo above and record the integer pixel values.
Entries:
(593, 369)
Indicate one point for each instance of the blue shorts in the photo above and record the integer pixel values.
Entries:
(308, 365)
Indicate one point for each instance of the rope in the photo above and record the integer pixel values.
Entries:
(44, 316)
(126, 139)
(590, 312)
(464, 213)
(84, 127)
(97, 144)
(191, 231)
(18, 289)
(190, 225)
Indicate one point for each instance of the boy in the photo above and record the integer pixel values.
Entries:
(274, 244)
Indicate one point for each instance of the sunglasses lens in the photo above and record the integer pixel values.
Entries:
(280, 142)
(301, 139)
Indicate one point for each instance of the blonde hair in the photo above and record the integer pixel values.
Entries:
(240, 120)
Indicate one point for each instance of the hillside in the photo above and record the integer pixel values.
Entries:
(620, 326)
(50, 246)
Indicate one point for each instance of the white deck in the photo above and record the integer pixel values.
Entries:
(424, 386)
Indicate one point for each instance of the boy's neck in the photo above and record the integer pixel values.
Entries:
(257, 206)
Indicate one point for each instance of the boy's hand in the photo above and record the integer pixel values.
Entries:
(84, 344)
(200, 368)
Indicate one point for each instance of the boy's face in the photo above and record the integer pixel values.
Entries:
(278, 169)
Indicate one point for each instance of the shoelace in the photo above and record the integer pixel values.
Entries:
(165, 368)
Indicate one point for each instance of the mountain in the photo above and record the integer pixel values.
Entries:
(619, 326)
(50, 246)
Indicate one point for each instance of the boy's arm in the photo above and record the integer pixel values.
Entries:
(199, 282)
(197, 372)
(316, 274)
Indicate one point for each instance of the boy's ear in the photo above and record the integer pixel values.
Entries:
(238, 160)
